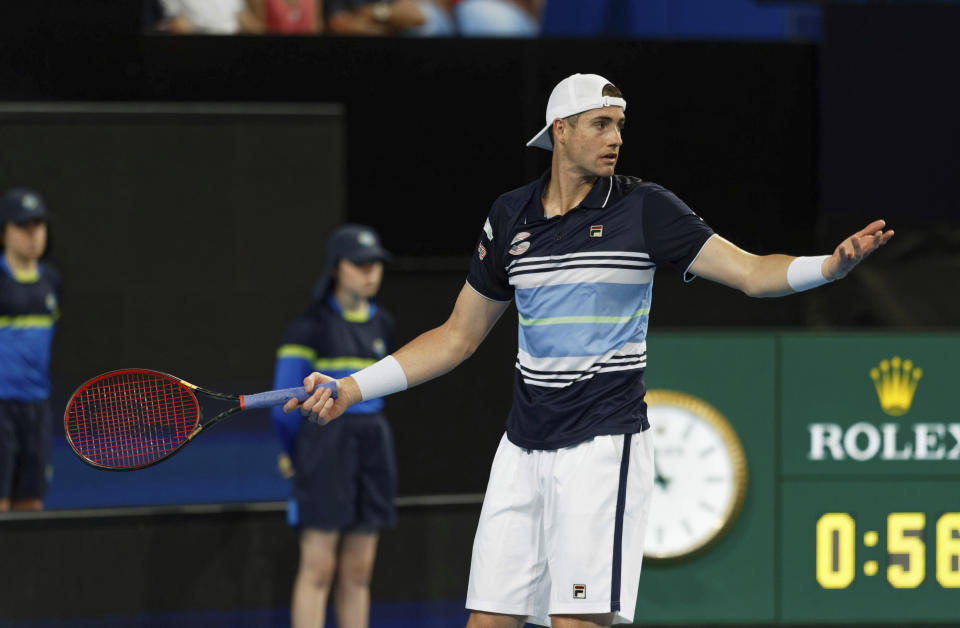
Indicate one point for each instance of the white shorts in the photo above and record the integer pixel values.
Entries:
(561, 531)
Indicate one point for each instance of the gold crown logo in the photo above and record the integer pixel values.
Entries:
(896, 382)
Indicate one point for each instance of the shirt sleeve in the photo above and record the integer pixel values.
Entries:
(295, 360)
(487, 275)
(673, 233)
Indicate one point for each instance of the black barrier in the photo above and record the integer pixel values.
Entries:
(85, 564)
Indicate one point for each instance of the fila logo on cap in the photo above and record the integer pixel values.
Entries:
(596, 231)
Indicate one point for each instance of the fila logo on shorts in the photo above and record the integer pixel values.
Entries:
(580, 591)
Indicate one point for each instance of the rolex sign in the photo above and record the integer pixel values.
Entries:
(869, 404)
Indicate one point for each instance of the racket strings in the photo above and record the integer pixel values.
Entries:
(131, 419)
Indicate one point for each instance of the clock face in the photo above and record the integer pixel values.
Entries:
(700, 476)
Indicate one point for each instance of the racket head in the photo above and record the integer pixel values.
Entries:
(130, 418)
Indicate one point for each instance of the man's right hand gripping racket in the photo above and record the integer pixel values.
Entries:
(134, 418)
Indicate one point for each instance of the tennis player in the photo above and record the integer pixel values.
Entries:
(344, 477)
(29, 307)
(561, 531)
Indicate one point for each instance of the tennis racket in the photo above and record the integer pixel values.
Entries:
(134, 418)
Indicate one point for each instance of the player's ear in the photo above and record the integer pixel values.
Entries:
(559, 128)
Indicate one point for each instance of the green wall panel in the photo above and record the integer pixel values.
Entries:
(733, 373)
(858, 434)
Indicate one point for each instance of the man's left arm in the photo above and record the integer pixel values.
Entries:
(779, 275)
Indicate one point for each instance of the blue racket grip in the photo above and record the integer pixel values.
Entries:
(280, 397)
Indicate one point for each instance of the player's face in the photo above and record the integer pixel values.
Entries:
(593, 145)
(25, 240)
(360, 280)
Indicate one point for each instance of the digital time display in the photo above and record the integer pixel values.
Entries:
(906, 550)
(871, 551)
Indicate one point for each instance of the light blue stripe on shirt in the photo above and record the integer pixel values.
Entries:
(583, 299)
(576, 339)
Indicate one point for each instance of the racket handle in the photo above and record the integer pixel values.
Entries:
(280, 397)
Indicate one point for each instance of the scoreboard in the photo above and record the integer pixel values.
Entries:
(851, 502)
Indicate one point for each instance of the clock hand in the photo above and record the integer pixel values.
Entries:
(659, 478)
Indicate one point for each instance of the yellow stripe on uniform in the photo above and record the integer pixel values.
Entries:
(356, 316)
(26, 276)
(296, 351)
(28, 321)
(345, 363)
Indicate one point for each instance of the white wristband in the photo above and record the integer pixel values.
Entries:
(804, 273)
(381, 379)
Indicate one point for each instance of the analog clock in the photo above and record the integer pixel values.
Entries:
(700, 476)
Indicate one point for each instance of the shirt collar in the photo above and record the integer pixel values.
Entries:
(599, 194)
(596, 198)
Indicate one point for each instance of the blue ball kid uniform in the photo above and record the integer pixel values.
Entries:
(29, 308)
(345, 472)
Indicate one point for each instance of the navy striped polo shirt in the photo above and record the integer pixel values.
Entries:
(582, 283)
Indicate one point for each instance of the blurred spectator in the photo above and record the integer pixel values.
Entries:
(498, 18)
(288, 17)
(29, 307)
(416, 18)
(213, 17)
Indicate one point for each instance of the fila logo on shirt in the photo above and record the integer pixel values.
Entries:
(580, 591)
(596, 231)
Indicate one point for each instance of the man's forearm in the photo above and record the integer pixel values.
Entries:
(761, 276)
(430, 354)
(426, 357)
(768, 277)
(433, 353)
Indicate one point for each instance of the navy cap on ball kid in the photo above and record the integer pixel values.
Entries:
(357, 244)
(20, 205)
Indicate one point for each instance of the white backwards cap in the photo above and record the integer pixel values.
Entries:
(575, 94)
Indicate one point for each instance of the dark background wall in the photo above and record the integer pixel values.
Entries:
(890, 148)
(780, 147)
(434, 132)
(177, 227)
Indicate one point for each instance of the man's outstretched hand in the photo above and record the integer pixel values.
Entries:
(855, 249)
